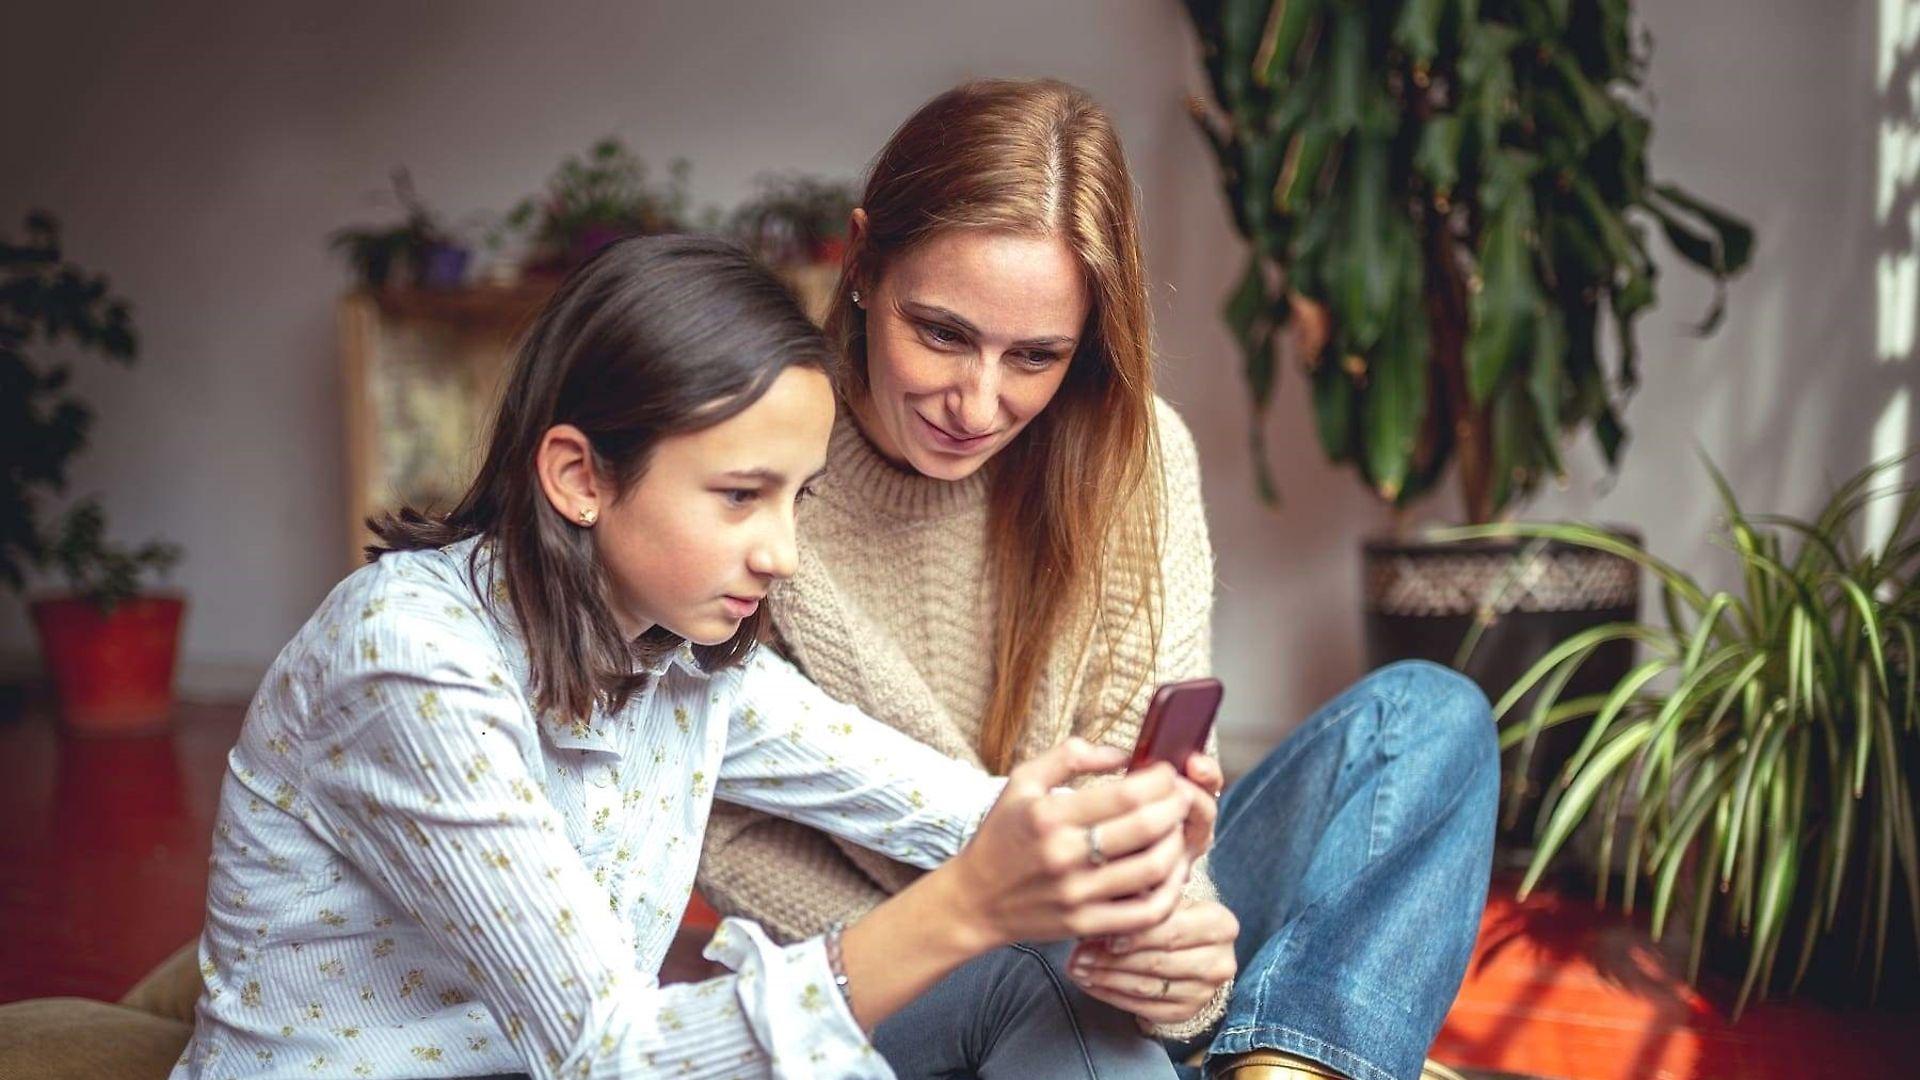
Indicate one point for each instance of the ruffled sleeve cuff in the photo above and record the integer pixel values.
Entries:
(788, 998)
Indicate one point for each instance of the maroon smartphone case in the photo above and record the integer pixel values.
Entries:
(1177, 722)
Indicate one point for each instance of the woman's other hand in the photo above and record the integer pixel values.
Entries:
(1167, 973)
(1203, 773)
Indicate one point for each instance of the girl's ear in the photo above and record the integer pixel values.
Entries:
(564, 463)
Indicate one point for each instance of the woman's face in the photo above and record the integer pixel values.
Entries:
(968, 338)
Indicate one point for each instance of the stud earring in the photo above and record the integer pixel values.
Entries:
(856, 298)
(589, 516)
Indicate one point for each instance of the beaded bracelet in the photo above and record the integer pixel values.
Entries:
(837, 965)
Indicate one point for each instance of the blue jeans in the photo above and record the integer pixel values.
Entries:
(1012, 1014)
(1356, 858)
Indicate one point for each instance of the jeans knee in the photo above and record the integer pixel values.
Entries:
(1450, 717)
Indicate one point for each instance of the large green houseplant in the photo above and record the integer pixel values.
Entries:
(109, 646)
(1458, 190)
(1759, 767)
(1447, 208)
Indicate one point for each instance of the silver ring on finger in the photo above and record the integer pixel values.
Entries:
(1094, 854)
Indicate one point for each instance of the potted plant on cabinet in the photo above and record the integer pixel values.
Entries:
(1445, 201)
(1769, 747)
(109, 648)
(798, 224)
(796, 219)
(596, 198)
(420, 251)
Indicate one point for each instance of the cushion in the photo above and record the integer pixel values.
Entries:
(77, 1039)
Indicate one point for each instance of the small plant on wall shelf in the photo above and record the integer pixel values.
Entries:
(598, 197)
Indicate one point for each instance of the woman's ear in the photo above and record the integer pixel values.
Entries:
(856, 238)
(564, 463)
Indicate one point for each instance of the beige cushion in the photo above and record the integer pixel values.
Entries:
(171, 988)
(78, 1039)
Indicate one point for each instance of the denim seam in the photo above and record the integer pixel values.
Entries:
(1066, 1005)
(1319, 1049)
(1393, 711)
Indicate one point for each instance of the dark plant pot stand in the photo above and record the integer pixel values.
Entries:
(1424, 600)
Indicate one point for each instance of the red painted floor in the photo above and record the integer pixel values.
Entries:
(1558, 989)
(103, 850)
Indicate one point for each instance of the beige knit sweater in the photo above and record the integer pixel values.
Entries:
(892, 611)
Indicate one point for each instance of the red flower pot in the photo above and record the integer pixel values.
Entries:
(112, 674)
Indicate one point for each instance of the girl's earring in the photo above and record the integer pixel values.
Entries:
(856, 298)
(588, 516)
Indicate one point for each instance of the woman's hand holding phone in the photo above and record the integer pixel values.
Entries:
(1108, 859)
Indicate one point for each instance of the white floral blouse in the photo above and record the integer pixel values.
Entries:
(413, 876)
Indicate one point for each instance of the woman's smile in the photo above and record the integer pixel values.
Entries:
(947, 442)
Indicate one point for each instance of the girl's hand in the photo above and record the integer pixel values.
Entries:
(1165, 974)
(1031, 871)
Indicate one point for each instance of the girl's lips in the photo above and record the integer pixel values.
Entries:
(952, 444)
(740, 607)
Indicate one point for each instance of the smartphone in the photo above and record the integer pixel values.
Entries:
(1178, 720)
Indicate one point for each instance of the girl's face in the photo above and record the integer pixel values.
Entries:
(695, 544)
(968, 338)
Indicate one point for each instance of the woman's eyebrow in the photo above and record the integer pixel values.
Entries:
(933, 311)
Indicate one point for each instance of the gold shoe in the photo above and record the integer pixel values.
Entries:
(1268, 1065)
(1279, 1065)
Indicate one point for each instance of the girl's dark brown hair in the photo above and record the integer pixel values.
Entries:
(653, 337)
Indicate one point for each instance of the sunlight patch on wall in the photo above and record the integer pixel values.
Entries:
(1897, 220)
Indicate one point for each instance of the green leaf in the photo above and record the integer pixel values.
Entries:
(1333, 408)
(1395, 404)
(1734, 237)
(1286, 26)
(1306, 153)
(1569, 811)
(1438, 156)
(1376, 239)
(1347, 68)
(1417, 30)
(1502, 310)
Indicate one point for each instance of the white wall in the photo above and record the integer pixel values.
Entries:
(201, 153)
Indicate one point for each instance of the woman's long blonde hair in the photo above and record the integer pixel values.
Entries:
(1075, 500)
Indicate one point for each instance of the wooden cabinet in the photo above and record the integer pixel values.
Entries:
(422, 370)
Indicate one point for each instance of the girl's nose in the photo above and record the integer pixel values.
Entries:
(778, 555)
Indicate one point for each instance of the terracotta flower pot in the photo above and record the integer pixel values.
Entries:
(112, 674)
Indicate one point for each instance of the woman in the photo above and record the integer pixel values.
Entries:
(463, 813)
(1011, 528)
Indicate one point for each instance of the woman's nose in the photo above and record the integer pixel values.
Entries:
(977, 400)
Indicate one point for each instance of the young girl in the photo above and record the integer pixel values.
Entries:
(465, 810)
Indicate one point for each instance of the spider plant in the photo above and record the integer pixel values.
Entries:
(1760, 763)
